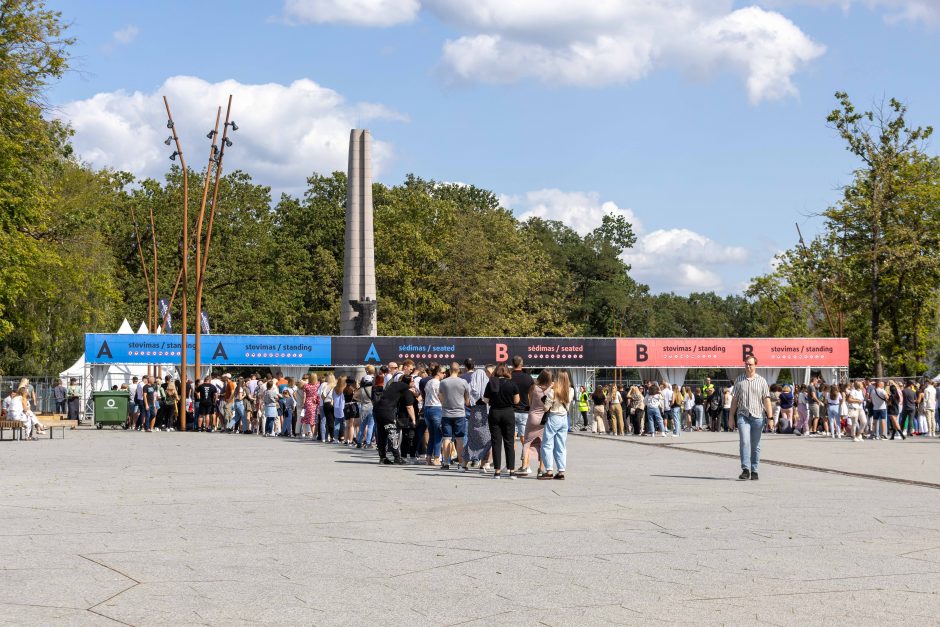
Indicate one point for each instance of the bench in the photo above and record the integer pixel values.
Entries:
(52, 424)
(15, 426)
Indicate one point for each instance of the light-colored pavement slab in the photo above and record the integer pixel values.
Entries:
(916, 459)
(178, 528)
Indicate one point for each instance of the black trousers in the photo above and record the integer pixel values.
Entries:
(636, 421)
(409, 439)
(330, 418)
(387, 439)
(502, 431)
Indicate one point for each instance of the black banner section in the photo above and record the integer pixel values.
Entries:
(535, 351)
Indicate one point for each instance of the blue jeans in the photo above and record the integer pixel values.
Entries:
(654, 420)
(835, 420)
(366, 425)
(432, 418)
(287, 423)
(879, 417)
(676, 419)
(698, 411)
(554, 442)
(749, 432)
(241, 421)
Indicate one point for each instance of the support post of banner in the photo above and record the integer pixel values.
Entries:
(184, 269)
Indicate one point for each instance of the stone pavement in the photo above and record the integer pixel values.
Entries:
(111, 527)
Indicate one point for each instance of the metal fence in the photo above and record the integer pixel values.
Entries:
(42, 386)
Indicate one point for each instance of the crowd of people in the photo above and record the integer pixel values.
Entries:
(441, 415)
(862, 409)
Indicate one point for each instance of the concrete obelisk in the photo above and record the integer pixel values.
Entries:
(358, 307)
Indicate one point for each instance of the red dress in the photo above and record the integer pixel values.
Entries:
(311, 403)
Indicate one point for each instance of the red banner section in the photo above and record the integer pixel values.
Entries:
(730, 352)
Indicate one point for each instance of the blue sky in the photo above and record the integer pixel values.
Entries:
(703, 121)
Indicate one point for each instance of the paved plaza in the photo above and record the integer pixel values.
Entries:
(110, 527)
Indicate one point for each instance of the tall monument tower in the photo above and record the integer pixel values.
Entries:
(358, 307)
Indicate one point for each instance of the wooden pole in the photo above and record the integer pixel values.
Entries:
(143, 266)
(185, 270)
(215, 196)
(156, 292)
(199, 222)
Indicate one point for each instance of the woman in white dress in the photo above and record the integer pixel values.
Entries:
(21, 412)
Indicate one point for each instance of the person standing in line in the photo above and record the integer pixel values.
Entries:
(894, 409)
(726, 420)
(908, 409)
(930, 408)
(654, 407)
(665, 389)
(879, 411)
(311, 389)
(675, 409)
(834, 411)
(326, 406)
(228, 401)
(535, 424)
(149, 393)
(786, 403)
(750, 405)
(523, 381)
(688, 403)
(598, 400)
(454, 393)
(615, 414)
(637, 410)
(338, 399)
(479, 442)
(583, 398)
(205, 404)
(386, 411)
(812, 400)
(554, 446)
(364, 396)
(270, 401)
(503, 397)
(433, 412)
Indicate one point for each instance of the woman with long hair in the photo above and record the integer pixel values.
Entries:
(339, 407)
(894, 409)
(503, 394)
(675, 410)
(350, 413)
(834, 411)
(599, 399)
(637, 410)
(554, 446)
(21, 411)
(535, 425)
(654, 411)
(326, 406)
(787, 401)
(311, 390)
(688, 405)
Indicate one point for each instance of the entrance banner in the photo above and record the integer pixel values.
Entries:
(535, 351)
(730, 352)
(216, 350)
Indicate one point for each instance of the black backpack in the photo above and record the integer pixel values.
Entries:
(376, 394)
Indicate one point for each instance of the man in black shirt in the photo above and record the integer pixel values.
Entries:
(908, 415)
(523, 381)
(206, 394)
(395, 396)
(150, 409)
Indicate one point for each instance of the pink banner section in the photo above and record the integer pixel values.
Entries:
(730, 352)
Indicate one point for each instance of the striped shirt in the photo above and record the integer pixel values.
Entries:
(750, 394)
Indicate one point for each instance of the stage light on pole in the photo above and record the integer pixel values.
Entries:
(168, 140)
(173, 156)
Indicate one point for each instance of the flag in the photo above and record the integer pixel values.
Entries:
(204, 322)
(165, 316)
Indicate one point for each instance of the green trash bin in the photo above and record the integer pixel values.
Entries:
(110, 407)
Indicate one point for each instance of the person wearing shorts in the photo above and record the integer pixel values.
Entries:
(523, 381)
(454, 395)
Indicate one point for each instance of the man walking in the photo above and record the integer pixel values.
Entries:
(750, 405)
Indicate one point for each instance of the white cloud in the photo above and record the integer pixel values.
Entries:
(286, 132)
(582, 211)
(678, 260)
(681, 260)
(126, 35)
(356, 12)
(577, 43)
(913, 11)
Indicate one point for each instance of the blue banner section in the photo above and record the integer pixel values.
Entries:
(216, 350)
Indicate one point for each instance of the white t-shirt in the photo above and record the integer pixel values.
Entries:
(879, 399)
(667, 397)
(857, 395)
(930, 398)
(654, 401)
